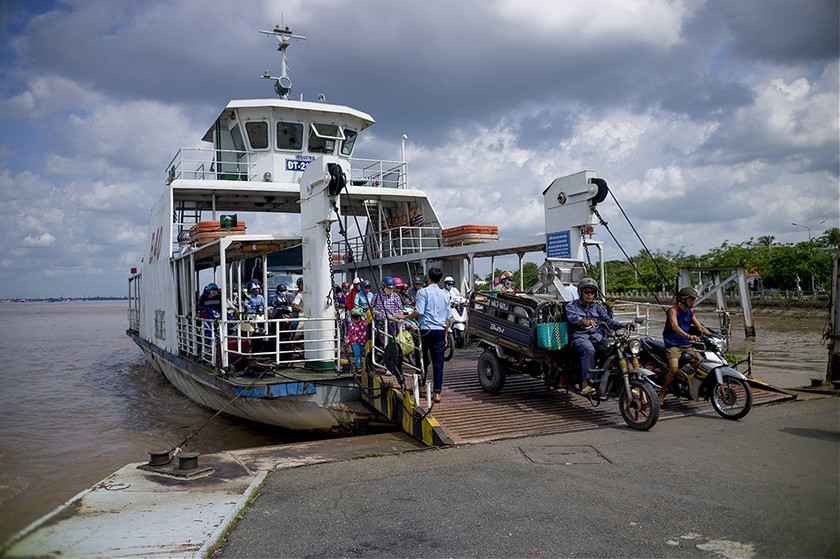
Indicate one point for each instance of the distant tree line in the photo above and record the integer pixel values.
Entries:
(778, 265)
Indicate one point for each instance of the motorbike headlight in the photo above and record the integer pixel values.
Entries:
(634, 346)
(721, 343)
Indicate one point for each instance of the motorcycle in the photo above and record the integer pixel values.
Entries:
(616, 374)
(457, 335)
(458, 321)
(713, 379)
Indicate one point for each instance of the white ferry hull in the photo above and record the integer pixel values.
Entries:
(332, 407)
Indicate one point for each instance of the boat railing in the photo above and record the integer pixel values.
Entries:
(397, 241)
(377, 173)
(272, 343)
(194, 163)
(209, 164)
(134, 319)
(406, 335)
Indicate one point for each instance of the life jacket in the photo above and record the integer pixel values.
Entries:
(350, 302)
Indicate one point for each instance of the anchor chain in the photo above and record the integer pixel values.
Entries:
(588, 258)
(330, 294)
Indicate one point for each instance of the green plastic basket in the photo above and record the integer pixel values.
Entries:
(553, 335)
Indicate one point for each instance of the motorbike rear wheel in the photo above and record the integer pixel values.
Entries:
(732, 398)
(450, 348)
(459, 338)
(642, 411)
(492, 372)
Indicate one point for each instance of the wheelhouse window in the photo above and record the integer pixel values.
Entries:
(289, 135)
(236, 136)
(349, 142)
(257, 134)
(324, 137)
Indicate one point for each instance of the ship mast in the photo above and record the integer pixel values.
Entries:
(282, 84)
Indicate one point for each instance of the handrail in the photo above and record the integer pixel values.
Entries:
(198, 163)
(377, 173)
(396, 241)
(220, 343)
(378, 342)
(208, 164)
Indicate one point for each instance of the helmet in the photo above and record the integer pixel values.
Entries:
(358, 311)
(281, 287)
(687, 292)
(398, 282)
(506, 276)
(299, 283)
(587, 283)
(357, 281)
(345, 285)
(210, 287)
(365, 283)
(417, 279)
(388, 281)
(252, 285)
(449, 279)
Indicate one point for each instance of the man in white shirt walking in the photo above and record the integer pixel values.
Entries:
(432, 308)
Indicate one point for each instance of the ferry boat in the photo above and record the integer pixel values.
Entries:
(217, 221)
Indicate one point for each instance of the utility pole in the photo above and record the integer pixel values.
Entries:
(813, 288)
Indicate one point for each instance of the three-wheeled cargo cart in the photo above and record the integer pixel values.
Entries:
(528, 334)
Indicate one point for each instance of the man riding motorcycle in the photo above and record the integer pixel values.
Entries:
(449, 286)
(282, 302)
(680, 318)
(585, 314)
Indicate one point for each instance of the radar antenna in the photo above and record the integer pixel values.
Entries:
(282, 84)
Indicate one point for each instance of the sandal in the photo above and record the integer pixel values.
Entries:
(587, 391)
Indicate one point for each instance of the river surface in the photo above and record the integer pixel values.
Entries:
(78, 401)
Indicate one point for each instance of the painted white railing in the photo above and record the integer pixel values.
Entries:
(390, 242)
(219, 164)
(377, 173)
(269, 342)
(208, 164)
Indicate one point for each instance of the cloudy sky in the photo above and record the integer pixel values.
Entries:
(711, 121)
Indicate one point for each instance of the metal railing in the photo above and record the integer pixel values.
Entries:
(134, 319)
(385, 331)
(377, 173)
(276, 343)
(221, 164)
(208, 164)
(389, 242)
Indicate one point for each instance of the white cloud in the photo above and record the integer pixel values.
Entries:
(655, 23)
(43, 240)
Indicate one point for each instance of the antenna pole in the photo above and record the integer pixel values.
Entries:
(282, 84)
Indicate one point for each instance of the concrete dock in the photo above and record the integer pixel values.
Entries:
(696, 485)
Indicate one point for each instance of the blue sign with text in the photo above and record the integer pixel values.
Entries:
(558, 245)
(298, 164)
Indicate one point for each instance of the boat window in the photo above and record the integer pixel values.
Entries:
(289, 135)
(323, 137)
(257, 134)
(349, 142)
(236, 136)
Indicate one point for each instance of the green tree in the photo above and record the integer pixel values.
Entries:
(832, 237)
(766, 240)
